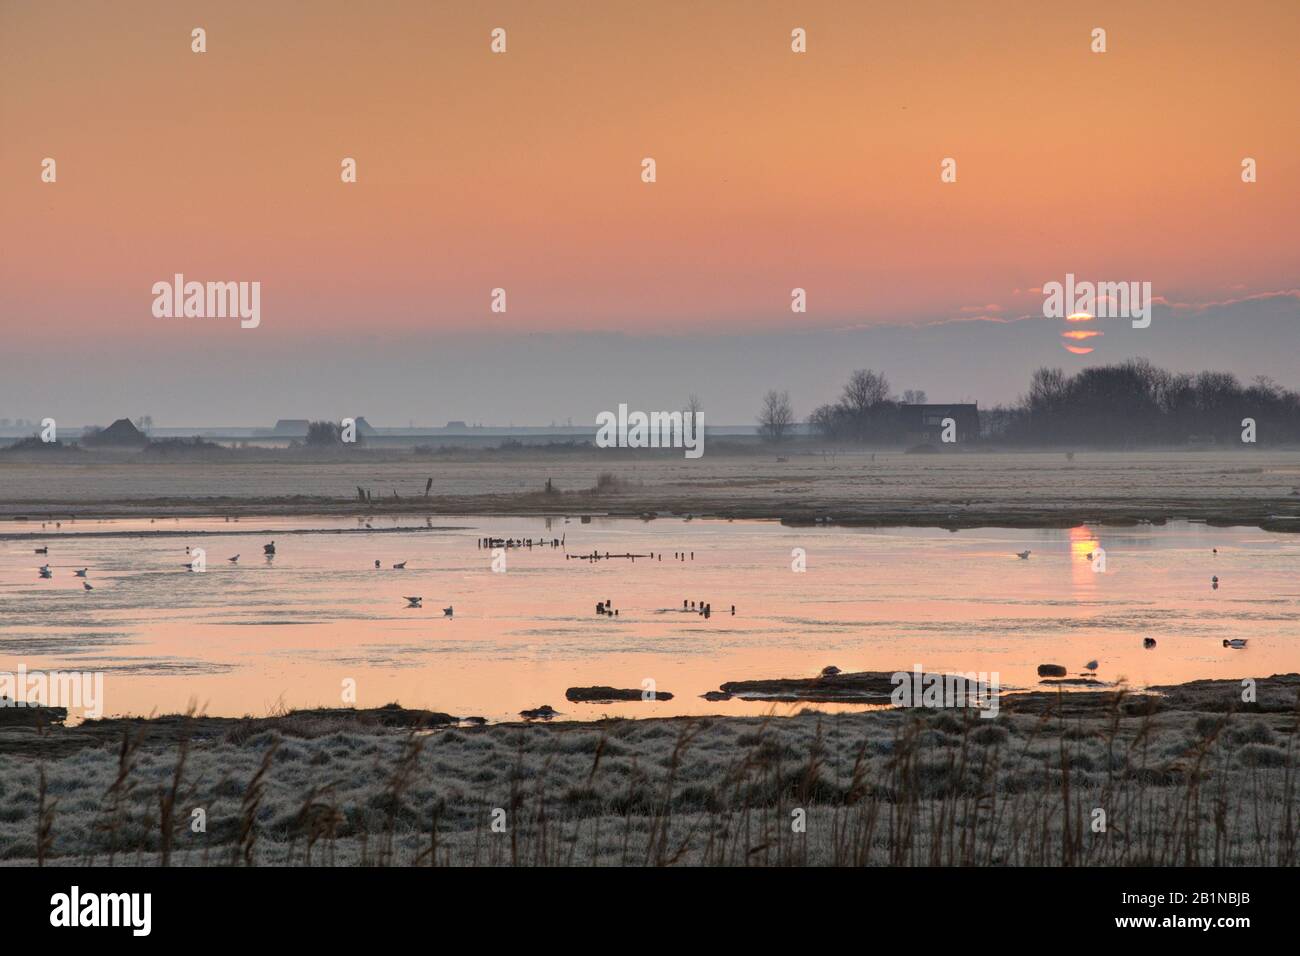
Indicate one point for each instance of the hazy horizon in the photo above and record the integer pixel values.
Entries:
(551, 377)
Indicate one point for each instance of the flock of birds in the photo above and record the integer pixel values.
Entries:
(46, 572)
(267, 549)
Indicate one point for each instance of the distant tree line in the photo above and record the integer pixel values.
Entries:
(867, 411)
(1128, 404)
(323, 434)
(1135, 403)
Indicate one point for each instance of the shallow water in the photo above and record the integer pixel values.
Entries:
(250, 637)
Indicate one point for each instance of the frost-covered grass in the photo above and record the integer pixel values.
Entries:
(881, 787)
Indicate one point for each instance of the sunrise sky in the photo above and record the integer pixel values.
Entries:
(522, 171)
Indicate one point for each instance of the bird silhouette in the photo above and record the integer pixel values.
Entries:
(399, 566)
(446, 612)
(1023, 555)
(413, 601)
(81, 573)
(233, 560)
(86, 585)
(1237, 642)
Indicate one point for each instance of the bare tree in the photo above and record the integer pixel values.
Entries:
(865, 390)
(776, 417)
(914, 396)
(692, 409)
(1047, 391)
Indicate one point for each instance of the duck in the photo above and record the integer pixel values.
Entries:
(44, 550)
(399, 566)
(87, 585)
(81, 573)
(413, 601)
(46, 572)
(1024, 555)
(446, 612)
(1237, 642)
(1148, 642)
(233, 560)
(268, 548)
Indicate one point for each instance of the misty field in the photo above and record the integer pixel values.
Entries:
(957, 487)
(882, 787)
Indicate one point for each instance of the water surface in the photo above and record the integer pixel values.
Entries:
(250, 637)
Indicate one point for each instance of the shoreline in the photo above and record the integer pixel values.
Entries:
(1277, 515)
(29, 730)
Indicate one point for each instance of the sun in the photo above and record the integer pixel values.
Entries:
(1079, 335)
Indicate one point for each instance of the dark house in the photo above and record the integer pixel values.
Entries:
(120, 434)
(364, 427)
(291, 428)
(924, 424)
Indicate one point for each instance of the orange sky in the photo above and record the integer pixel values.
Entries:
(521, 170)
